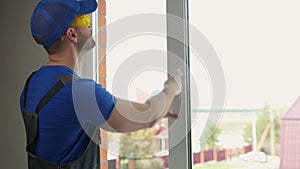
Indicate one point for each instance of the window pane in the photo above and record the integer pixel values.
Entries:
(256, 44)
(136, 69)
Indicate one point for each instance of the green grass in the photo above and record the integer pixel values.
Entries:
(218, 166)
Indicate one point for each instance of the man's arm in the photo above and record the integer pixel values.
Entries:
(130, 116)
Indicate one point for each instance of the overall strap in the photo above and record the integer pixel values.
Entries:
(61, 82)
(30, 118)
(26, 90)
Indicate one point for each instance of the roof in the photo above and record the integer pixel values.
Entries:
(162, 133)
(294, 112)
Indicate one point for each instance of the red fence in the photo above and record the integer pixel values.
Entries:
(203, 156)
(210, 155)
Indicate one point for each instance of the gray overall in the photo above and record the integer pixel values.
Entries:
(88, 160)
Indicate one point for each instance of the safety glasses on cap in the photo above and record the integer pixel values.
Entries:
(81, 21)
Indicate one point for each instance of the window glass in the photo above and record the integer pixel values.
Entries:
(256, 44)
(137, 69)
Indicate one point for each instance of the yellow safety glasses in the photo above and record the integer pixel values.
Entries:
(81, 21)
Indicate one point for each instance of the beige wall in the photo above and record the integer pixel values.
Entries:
(19, 56)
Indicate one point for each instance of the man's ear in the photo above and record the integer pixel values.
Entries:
(72, 35)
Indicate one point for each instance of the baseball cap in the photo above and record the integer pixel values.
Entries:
(51, 18)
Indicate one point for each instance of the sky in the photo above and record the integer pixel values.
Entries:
(257, 43)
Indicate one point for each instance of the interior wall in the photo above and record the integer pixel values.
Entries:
(19, 57)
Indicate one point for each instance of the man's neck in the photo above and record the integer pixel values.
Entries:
(67, 58)
(51, 63)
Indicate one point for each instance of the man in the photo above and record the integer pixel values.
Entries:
(60, 129)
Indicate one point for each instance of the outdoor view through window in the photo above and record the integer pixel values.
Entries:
(243, 64)
(137, 60)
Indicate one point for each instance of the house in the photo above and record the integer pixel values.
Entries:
(290, 137)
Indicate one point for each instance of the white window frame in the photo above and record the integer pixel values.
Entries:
(90, 67)
(180, 152)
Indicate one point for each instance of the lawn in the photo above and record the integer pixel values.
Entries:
(219, 166)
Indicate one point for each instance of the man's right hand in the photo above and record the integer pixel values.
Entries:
(175, 82)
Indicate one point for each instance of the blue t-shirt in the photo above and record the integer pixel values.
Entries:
(61, 137)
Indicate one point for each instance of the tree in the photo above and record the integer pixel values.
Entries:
(210, 135)
(263, 119)
(140, 146)
(137, 144)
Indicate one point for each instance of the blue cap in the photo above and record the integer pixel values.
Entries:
(51, 18)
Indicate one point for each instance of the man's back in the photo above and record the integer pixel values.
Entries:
(61, 138)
